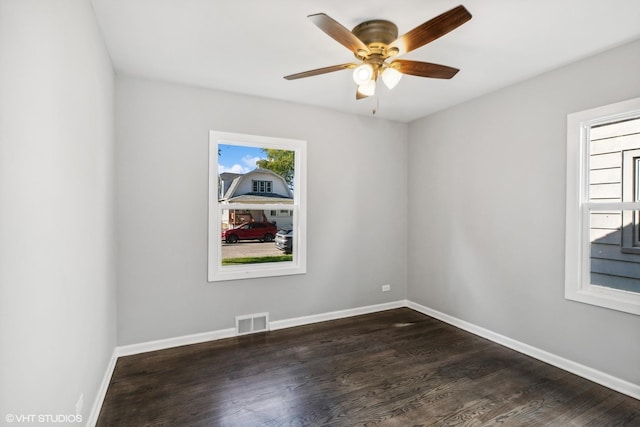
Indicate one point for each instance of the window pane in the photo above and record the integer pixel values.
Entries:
(614, 254)
(614, 151)
(266, 177)
(605, 172)
(256, 242)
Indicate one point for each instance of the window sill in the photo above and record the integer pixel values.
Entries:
(628, 302)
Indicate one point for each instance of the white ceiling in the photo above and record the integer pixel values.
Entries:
(247, 46)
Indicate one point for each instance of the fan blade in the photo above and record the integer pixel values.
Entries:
(320, 71)
(431, 30)
(424, 69)
(336, 31)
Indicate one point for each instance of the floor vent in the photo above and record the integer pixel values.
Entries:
(252, 323)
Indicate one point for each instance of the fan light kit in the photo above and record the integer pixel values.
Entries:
(362, 74)
(376, 42)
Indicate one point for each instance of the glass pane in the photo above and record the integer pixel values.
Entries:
(256, 236)
(249, 174)
(254, 175)
(614, 150)
(614, 250)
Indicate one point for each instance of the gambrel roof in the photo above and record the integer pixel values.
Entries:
(240, 189)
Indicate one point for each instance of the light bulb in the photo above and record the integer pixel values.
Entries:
(362, 74)
(368, 88)
(391, 77)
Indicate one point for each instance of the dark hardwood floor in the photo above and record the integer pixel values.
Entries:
(393, 368)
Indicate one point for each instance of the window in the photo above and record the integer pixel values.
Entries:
(281, 212)
(261, 186)
(262, 191)
(603, 207)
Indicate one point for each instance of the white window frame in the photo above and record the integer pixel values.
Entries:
(217, 272)
(579, 208)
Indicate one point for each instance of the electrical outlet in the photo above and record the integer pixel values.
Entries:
(386, 288)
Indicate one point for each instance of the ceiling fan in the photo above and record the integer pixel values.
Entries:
(376, 43)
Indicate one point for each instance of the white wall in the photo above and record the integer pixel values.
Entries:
(487, 181)
(356, 210)
(57, 274)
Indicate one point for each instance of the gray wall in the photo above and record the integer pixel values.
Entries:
(487, 181)
(357, 201)
(57, 271)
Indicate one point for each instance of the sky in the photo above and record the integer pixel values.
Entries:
(238, 159)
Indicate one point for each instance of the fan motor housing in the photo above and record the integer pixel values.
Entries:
(377, 33)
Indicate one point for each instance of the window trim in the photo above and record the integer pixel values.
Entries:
(578, 206)
(217, 272)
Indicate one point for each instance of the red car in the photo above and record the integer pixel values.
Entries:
(263, 231)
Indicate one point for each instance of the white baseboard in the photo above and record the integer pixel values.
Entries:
(333, 315)
(583, 371)
(131, 349)
(128, 350)
(102, 391)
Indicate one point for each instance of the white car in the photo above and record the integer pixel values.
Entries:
(284, 241)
